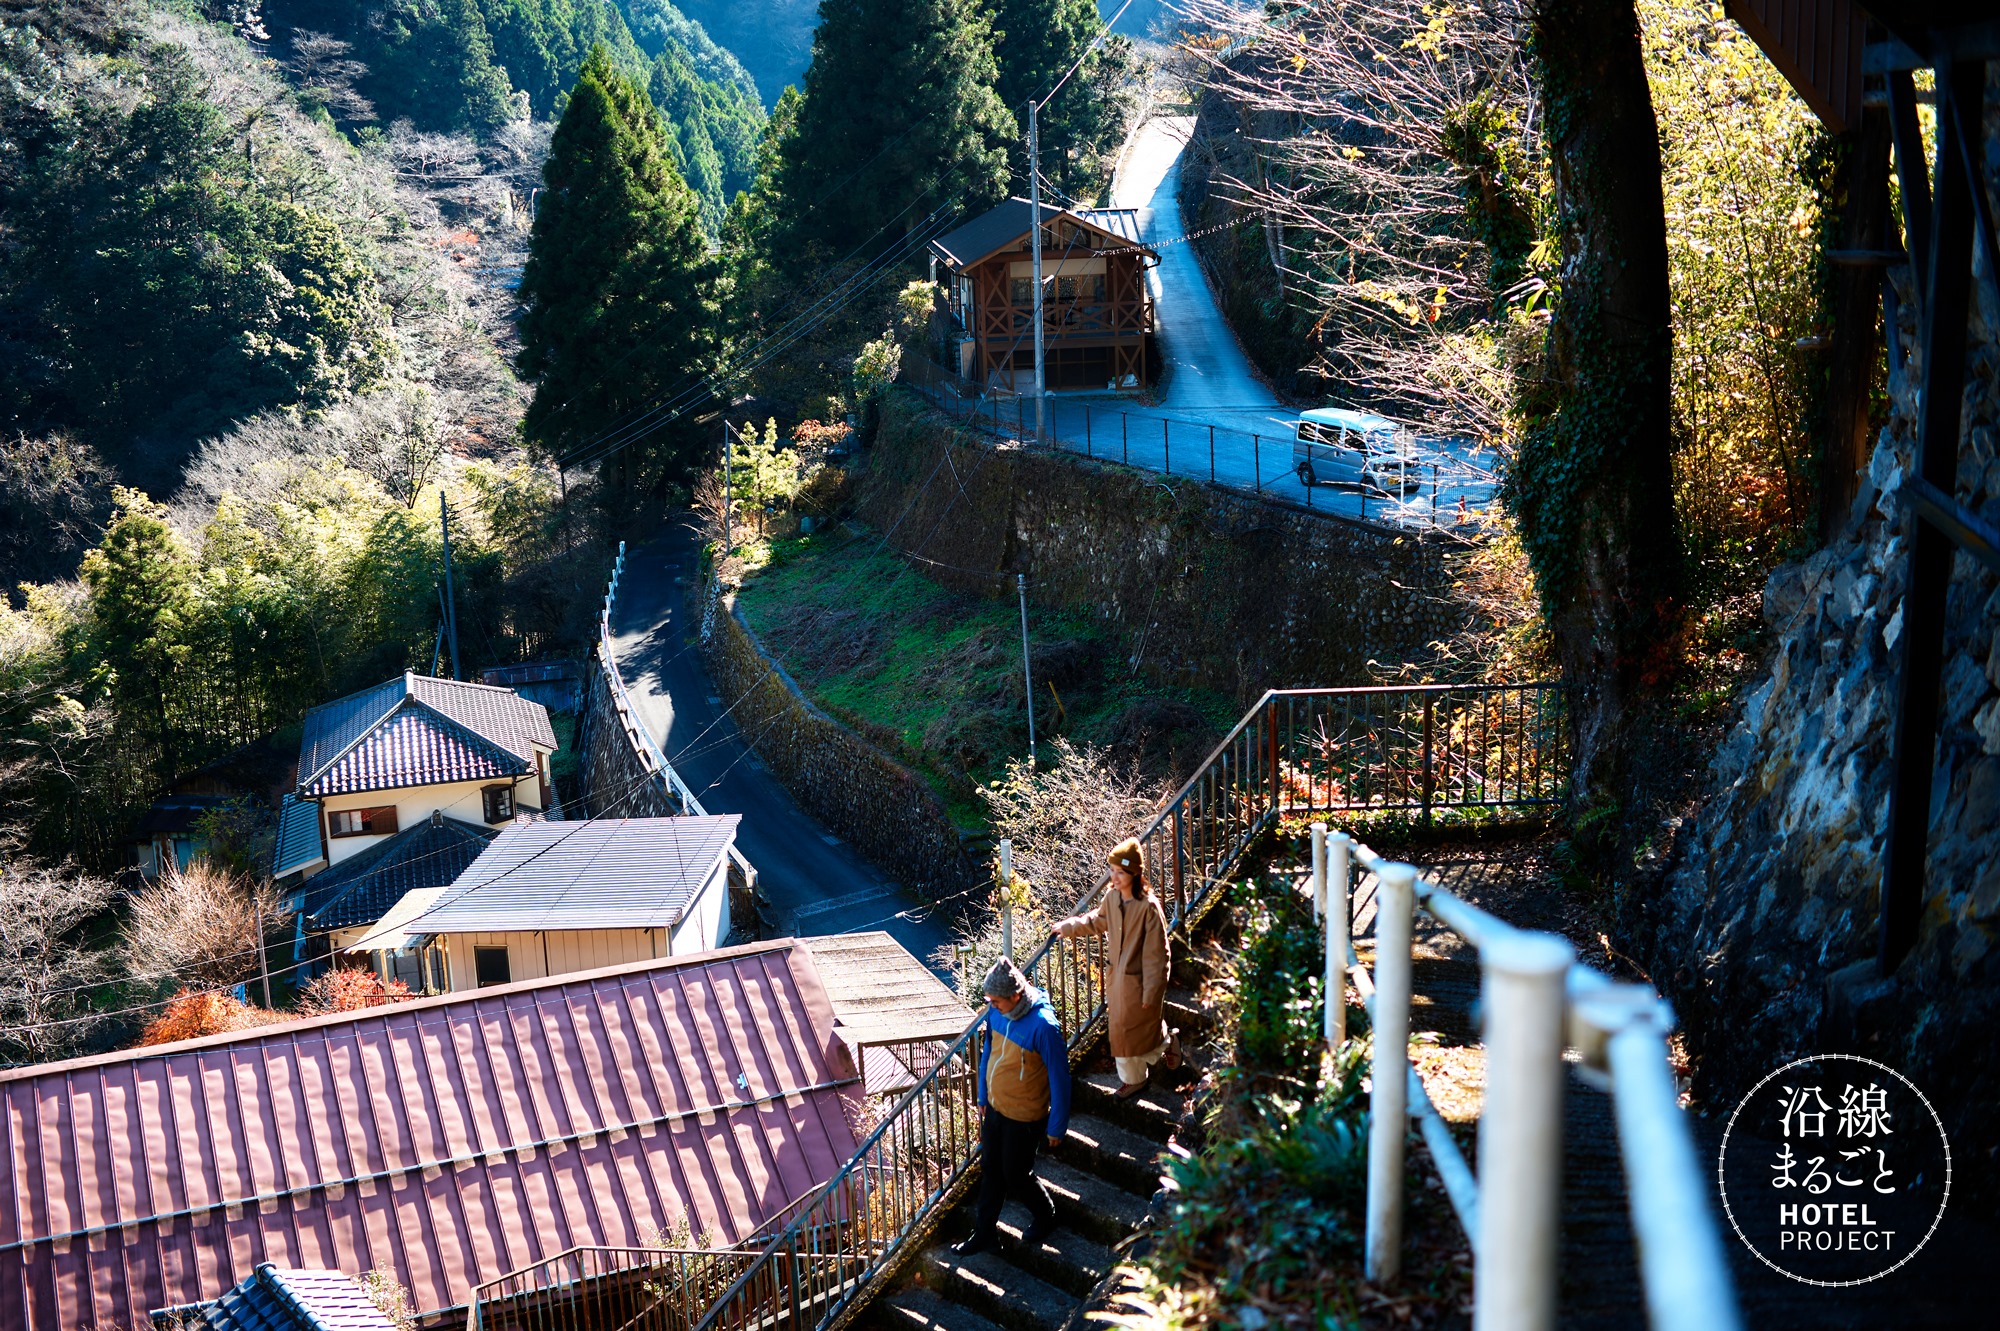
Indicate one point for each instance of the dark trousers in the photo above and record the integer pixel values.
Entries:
(1007, 1151)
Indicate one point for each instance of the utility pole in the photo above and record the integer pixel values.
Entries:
(1041, 379)
(728, 530)
(1007, 898)
(1027, 670)
(263, 965)
(450, 598)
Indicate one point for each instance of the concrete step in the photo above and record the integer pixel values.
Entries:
(1118, 1155)
(1155, 1112)
(914, 1308)
(992, 1286)
(1091, 1206)
(1066, 1259)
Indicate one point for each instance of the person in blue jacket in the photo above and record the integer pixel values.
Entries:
(1024, 1093)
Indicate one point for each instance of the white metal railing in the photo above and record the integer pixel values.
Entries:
(1537, 999)
(649, 750)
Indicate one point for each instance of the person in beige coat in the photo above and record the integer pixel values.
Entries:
(1136, 961)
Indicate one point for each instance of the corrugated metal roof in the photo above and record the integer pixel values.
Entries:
(360, 890)
(298, 837)
(445, 1141)
(999, 227)
(272, 1298)
(416, 730)
(883, 995)
(604, 873)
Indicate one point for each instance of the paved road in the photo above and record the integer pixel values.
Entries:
(816, 883)
(1216, 420)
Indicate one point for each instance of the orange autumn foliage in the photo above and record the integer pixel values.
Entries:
(350, 990)
(190, 1014)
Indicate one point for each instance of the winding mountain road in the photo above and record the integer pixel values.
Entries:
(816, 883)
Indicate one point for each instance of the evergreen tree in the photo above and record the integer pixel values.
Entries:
(714, 129)
(899, 116)
(618, 290)
(434, 62)
(1035, 42)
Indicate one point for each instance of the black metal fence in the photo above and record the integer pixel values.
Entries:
(1440, 492)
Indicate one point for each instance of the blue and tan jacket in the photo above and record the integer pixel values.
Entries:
(1024, 1064)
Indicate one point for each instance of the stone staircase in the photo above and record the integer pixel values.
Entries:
(1103, 1181)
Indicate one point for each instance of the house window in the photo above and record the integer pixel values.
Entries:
(361, 822)
(1065, 288)
(1024, 291)
(489, 966)
(499, 803)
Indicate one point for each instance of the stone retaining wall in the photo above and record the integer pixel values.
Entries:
(620, 779)
(1212, 589)
(887, 812)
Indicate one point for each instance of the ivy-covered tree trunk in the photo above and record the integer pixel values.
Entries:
(1592, 487)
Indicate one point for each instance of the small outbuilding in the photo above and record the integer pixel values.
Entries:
(1097, 312)
(546, 898)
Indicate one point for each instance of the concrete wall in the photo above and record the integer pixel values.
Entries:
(887, 812)
(1210, 589)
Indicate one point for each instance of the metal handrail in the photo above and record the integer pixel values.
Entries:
(921, 1153)
(1538, 999)
(636, 1289)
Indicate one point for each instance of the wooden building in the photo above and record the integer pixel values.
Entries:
(1097, 312)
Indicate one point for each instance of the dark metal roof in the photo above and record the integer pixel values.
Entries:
(415, 731)
(999, 229)
(606, 873)
(180, 813)
(298, 844)
(360, 890)
(273, 1298)
(1816, 45)
(443, 1141)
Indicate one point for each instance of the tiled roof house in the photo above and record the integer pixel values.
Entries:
(443, 1141)
(399, 787)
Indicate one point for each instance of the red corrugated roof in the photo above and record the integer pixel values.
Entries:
(446, 1141)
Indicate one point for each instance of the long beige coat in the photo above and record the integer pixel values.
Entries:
(1136, 962)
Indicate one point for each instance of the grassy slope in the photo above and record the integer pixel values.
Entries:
(934, 677)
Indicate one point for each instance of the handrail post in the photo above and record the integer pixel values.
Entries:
(1520, 1132)
(1338, 856)
(1271, 731)
(1319, 871)
(1430, 717)
(1389, 1095)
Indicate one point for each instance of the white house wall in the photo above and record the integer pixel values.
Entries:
(462, 800)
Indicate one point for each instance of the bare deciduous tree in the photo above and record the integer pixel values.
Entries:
(319, 62)
(1064, 817)
(1391, 150)
(200, 927)
(47, 966)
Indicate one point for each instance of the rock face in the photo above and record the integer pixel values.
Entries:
(1765, 935)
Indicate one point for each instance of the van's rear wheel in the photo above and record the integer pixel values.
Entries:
(1306, 473)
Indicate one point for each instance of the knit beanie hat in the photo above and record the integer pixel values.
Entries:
(1004, 980)
(1128, 855)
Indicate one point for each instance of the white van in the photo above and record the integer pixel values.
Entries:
(1333, 444)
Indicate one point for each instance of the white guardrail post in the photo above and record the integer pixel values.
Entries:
(1520, 1131)
(1338, 860)
(1319, 871)
(1389, 1093)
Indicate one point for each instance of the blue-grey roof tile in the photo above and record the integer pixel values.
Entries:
(298, 836)
(416, 730)
(272, 1298)
(360, 890)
